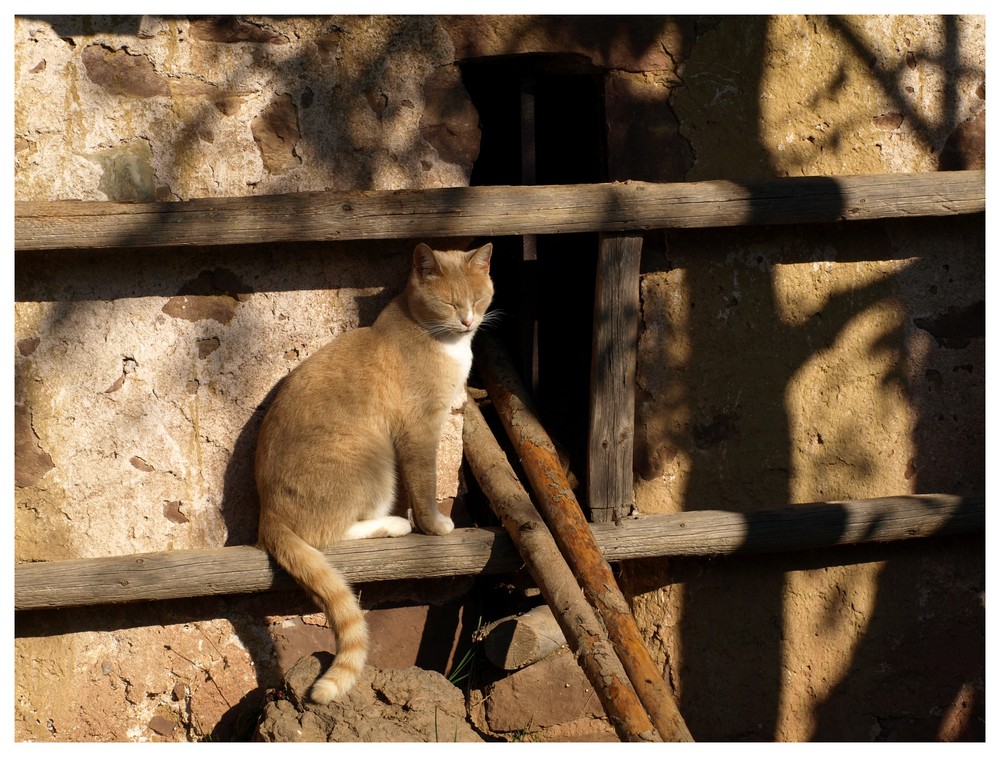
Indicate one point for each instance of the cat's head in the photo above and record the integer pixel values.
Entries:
(449, 290)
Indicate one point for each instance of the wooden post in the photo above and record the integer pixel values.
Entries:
(554, 578)
(572, 532)
(610, 492)
(516, 642)
(529, 245)
(631, 207)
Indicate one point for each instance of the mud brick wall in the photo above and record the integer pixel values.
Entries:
(818, 363)
(140, 375)
(775, 365)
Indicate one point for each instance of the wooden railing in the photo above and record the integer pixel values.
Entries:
(482, 551)
(620, 211)
(629, 206)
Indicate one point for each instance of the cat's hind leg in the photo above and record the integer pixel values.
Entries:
(418, 466)
(375, 521)
(374, 528)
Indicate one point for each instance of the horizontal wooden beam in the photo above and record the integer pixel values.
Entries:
(474, 551)
(630, 206)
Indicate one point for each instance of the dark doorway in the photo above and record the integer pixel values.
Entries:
(556, 289)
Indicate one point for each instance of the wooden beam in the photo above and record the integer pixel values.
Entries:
(631, 206)
(576, 541)
(243, 570)
(520, 640)
(474, 551)
(610, 493)
(715, 533)
(576, 618)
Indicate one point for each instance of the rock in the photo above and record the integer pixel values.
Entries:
(276, 133)
(450, 122)
(965, 148)
(384, 705)
(161, 725)
(553, 691)
(31, 462)
(582, 730)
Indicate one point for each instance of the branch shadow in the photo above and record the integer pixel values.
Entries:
(320, 96)
(716, 670)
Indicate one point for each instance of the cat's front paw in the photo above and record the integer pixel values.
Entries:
(439, 526)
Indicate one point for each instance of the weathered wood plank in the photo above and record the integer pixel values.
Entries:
(612, 377)
(492, 211)
(241, 570)
(472, 551)
(714, 533)
(515, 642)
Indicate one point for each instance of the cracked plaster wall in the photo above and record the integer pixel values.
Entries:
(140, 375)
(775, 365)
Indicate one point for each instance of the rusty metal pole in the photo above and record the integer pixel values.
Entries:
(577, 619)
(572, 532)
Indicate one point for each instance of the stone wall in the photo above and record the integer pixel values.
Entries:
(776, 365)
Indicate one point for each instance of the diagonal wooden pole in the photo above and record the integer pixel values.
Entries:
(577, 619)
(573, 534)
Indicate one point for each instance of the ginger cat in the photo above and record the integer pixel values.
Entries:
(364, 408)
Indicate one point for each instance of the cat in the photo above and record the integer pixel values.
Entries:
(363, 410)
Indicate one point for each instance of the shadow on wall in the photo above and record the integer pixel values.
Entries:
(725, 405)
(225, 279)
(739, 436)
(318, 118)
(739, 439)
(330, 113)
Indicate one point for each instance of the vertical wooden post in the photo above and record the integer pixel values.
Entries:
(612, 378)
(529, 256)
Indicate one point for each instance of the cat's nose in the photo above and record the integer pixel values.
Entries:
(467, 320)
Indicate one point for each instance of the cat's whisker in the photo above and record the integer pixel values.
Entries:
(492, 319)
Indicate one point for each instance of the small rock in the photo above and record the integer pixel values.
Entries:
(31, 462)
(161, 725)
(172, 512)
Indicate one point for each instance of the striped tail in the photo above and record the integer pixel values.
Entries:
(331, 592)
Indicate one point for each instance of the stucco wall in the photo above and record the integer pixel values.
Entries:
(140, 375)
(785, 365)
(776, 365)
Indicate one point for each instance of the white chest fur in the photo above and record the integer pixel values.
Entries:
(460, 352)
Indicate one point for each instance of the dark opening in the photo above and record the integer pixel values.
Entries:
(569, 149)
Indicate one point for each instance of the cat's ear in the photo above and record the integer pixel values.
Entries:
(424, 262)
(480, 259)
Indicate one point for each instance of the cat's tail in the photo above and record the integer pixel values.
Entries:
(328, 589)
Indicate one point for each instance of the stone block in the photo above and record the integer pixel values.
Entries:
(554, 690)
